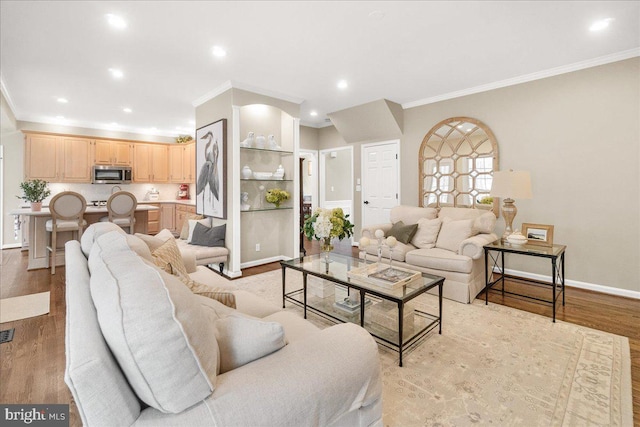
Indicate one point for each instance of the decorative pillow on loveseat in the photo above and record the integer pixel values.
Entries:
(184, 233)
(427, 233)
(243, 339)
(156, 328)
(209, 236)
(452, 233)
(403, 233)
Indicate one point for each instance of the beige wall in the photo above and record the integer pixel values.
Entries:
(337, 173)
(309, 138)
(579, 135)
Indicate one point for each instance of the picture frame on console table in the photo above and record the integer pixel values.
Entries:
(211, 169)
(538, 234)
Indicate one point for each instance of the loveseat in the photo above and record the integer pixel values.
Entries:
(143, 350)
(447, 243)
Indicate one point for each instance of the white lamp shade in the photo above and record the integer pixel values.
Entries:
(511, 184)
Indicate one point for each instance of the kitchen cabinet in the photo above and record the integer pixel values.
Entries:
(58, 158)
(167, 217)
(108, 152)
(176, 163)
(153, 221)
(189, 161)
(181, 214)
(151, 162)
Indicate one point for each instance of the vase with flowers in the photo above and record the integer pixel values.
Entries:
(277, 196)
(325, 225)
(35, 191)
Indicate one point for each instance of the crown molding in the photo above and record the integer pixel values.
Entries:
(243, 86)
(7, 97)
(601, 60)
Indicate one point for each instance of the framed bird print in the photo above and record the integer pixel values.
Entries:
(211, 169)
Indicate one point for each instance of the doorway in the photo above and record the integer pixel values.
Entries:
(336, 179)
(380, 181)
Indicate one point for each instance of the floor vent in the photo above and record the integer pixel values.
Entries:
(6, 336)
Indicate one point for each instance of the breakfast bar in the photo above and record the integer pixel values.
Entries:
(39, 239)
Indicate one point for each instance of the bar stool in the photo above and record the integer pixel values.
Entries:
(67, 211)
(122, 207)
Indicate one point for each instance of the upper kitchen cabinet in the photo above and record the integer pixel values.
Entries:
(190, 163)
(182, 163)
(151, 162)
(117, 153)
(57, 158)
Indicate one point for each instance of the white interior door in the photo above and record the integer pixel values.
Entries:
(380, 181)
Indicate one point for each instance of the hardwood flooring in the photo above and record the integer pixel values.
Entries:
(32, 365)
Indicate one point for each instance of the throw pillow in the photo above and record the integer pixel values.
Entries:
(427, 233)
(242, 340)
(152, 242)
(485, 223)
(139, 246)
(452, 233)
(165, 235)
(403, 233)
(169, 258)
(184, 233)
(192, 225)
(224, 296)
(156, 328)
(209, 236)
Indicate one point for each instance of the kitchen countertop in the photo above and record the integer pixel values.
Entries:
(188, 202)
(90, 210)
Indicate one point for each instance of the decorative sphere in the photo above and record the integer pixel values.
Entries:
(391, 241)
(379, 234)
(364, 242)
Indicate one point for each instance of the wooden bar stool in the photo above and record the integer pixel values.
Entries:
(122, 207)
(67, 211)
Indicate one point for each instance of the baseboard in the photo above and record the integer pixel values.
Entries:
(576, 284)
(264, 261)
(12, 246)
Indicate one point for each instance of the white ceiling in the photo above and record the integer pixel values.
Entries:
(407, 52)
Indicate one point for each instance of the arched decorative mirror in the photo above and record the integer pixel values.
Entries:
(457, 160)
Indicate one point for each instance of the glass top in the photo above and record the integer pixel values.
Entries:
(552, 251)
(337, 272)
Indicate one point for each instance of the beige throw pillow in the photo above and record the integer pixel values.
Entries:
(427, 234)
(242, 340)
(169, 258)
(452, 233)
(485, 223)
(184, 233)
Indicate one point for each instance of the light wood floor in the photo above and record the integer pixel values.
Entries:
(32, 365)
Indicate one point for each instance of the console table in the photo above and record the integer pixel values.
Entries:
(495, 251)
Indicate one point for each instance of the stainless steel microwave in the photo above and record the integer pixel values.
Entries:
(111, 174)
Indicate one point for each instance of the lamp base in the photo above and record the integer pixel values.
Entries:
(509, 211)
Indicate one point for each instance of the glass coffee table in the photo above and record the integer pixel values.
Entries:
(386, 313)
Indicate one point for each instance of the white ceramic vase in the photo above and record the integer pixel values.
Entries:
(247, 173)
(260, 141)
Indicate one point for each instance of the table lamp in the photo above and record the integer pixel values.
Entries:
(510, 185)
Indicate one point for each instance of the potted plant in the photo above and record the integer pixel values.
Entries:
(277, 196)
(35, 191)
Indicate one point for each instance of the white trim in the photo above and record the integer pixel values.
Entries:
(619, 56)
(575, 284)
(11, 246)
(314, 170)
(316, 125)
(296, 188)
(264, 261)
(212, 94)
(234, 262)
(362, 164)
(243, 86)
(7, 97)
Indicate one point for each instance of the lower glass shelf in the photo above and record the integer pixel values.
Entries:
(284, 208)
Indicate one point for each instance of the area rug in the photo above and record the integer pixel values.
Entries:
(23, 307)
(494, 365)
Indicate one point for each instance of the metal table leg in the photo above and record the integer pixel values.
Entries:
(486, 277)
(400, 329)
(362, 301)
(283, 287)
(304, 292)
(553, 288)
(440, 304)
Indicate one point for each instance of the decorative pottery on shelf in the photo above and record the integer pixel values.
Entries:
(279, 173)
(244, 201)
(249, 141)
(261, 142)
(247, 173)
(517, 239)
(273, 145)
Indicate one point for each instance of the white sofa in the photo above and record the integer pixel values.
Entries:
(458, 256)
(141, 351)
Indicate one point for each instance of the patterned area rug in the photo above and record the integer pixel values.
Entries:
(495, 365)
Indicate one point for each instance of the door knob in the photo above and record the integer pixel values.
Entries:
(366, 202)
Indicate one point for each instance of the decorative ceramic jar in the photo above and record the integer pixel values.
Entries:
(36, 206)
(247, 173)
(273, 145)
(279, 173)
(244, 199)
(516, 238)
(260, 141)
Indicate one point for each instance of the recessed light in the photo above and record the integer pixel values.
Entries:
(116, 73)
(116, 21)
(600, 24)
(313, 113)
(342, 84)
(62, 100)
(218, 52)
(127, 110)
